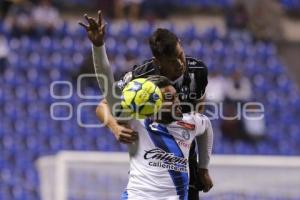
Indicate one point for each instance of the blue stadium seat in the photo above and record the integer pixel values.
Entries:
(27, 130)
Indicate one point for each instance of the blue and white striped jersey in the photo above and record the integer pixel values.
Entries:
(159, 159)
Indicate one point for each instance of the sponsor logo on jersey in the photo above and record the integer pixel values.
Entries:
(159, 158)
(184, 91)
(186, 125)
(183, 144)
(185, 134)
(192, 63)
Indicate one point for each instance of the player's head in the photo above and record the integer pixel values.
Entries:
(168, 53)
(170, 109)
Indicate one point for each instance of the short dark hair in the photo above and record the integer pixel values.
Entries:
(163, 43)
(159, 81)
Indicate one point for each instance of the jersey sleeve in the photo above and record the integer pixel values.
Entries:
(103, 69)
(200, 123)
(138, 71)
(204, 139)
(146, 69)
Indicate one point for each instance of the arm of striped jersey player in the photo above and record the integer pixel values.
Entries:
(205, 144)
(104, 75)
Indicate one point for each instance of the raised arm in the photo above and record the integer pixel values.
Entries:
(96, 32)
(102, 67)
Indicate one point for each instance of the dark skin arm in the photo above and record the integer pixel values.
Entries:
(96, 32)
(204, 176)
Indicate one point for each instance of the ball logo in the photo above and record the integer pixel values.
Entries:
(136, 86)
(155, 97)
(143, 94)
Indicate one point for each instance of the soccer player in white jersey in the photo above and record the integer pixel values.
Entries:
(159, 158)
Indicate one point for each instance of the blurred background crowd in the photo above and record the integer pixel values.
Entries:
(251, 49)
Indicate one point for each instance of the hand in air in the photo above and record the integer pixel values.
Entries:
(95, 29)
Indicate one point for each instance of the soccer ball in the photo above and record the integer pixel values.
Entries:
(141, 97)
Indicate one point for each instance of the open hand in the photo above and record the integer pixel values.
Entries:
(95, 29)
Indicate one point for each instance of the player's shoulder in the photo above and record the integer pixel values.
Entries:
(186, 123)
(194, 64)
(199, 120)
(189, 120)
(145, 69)
(139, 71)
(194, 116)
(148, 67)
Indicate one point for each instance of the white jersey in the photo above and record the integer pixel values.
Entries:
(159, 159)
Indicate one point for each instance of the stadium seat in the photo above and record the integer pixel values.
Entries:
(27, 130)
